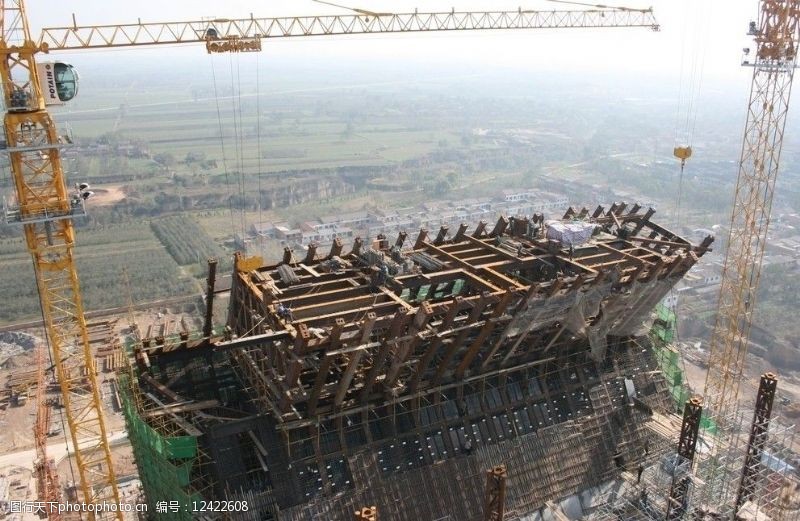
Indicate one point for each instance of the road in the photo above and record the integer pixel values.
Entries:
(57, 451)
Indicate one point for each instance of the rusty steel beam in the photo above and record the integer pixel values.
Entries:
(477, 310)
(405, 348)
(355, 358)
(398, 324)
(758, 439)
(485, 331)
(322, 375)
(211, 281)
(687, 444)
(441, 314)
(495, 498)
(452, 310)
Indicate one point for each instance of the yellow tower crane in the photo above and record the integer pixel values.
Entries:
(45, 208)
(46, 204)
(776, 35)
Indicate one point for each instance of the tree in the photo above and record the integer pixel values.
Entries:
(165, 159)
(194, 157)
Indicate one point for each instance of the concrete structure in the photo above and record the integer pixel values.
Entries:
(398, 373)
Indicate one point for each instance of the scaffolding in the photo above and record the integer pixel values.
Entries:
(711, 488)
(166, 449)
(773, 475)
(362, 378)
(662, 335)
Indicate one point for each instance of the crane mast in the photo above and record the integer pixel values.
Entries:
(46, 205)
(776, 35)
(47, 486)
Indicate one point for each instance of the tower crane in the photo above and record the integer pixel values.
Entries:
(46, 205)
(776, 35)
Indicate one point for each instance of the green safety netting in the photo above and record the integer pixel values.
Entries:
(164, 463)
(662, 334)
(664, 325)
(669, 360)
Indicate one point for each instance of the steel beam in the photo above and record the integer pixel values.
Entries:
(758, 439)
(687, 443)
(495, 498)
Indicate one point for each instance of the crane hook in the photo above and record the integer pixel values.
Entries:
(682, 153)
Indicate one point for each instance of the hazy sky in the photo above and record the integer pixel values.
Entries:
(710, 33)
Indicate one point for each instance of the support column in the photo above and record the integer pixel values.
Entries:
(311, 253)
(499, 227)
(398, 324)
(678, 493)
(758, 439)
(440, 238)
(479, 230)
(461, 233)
(367, 514)
(355, 358)
(495, 508)
(420, 242)
(451, 311)
(357, 244)
(212, 277)
(336, 248)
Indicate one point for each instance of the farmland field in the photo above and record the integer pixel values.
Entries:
(187, 242)
(101, 254)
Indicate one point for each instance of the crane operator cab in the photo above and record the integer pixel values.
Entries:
(58, 81)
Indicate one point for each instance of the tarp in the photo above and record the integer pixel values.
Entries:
(572, 233)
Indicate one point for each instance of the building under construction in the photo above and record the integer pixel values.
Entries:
(397, 373)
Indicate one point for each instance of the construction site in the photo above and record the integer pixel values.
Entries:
(520, 369)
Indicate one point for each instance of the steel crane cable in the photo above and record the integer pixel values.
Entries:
(238, 135)
(694, 35)
(693, 55)
(222, 147)
(258, 145)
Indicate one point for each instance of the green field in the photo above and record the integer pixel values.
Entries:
(303, 141)
(101, 254)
